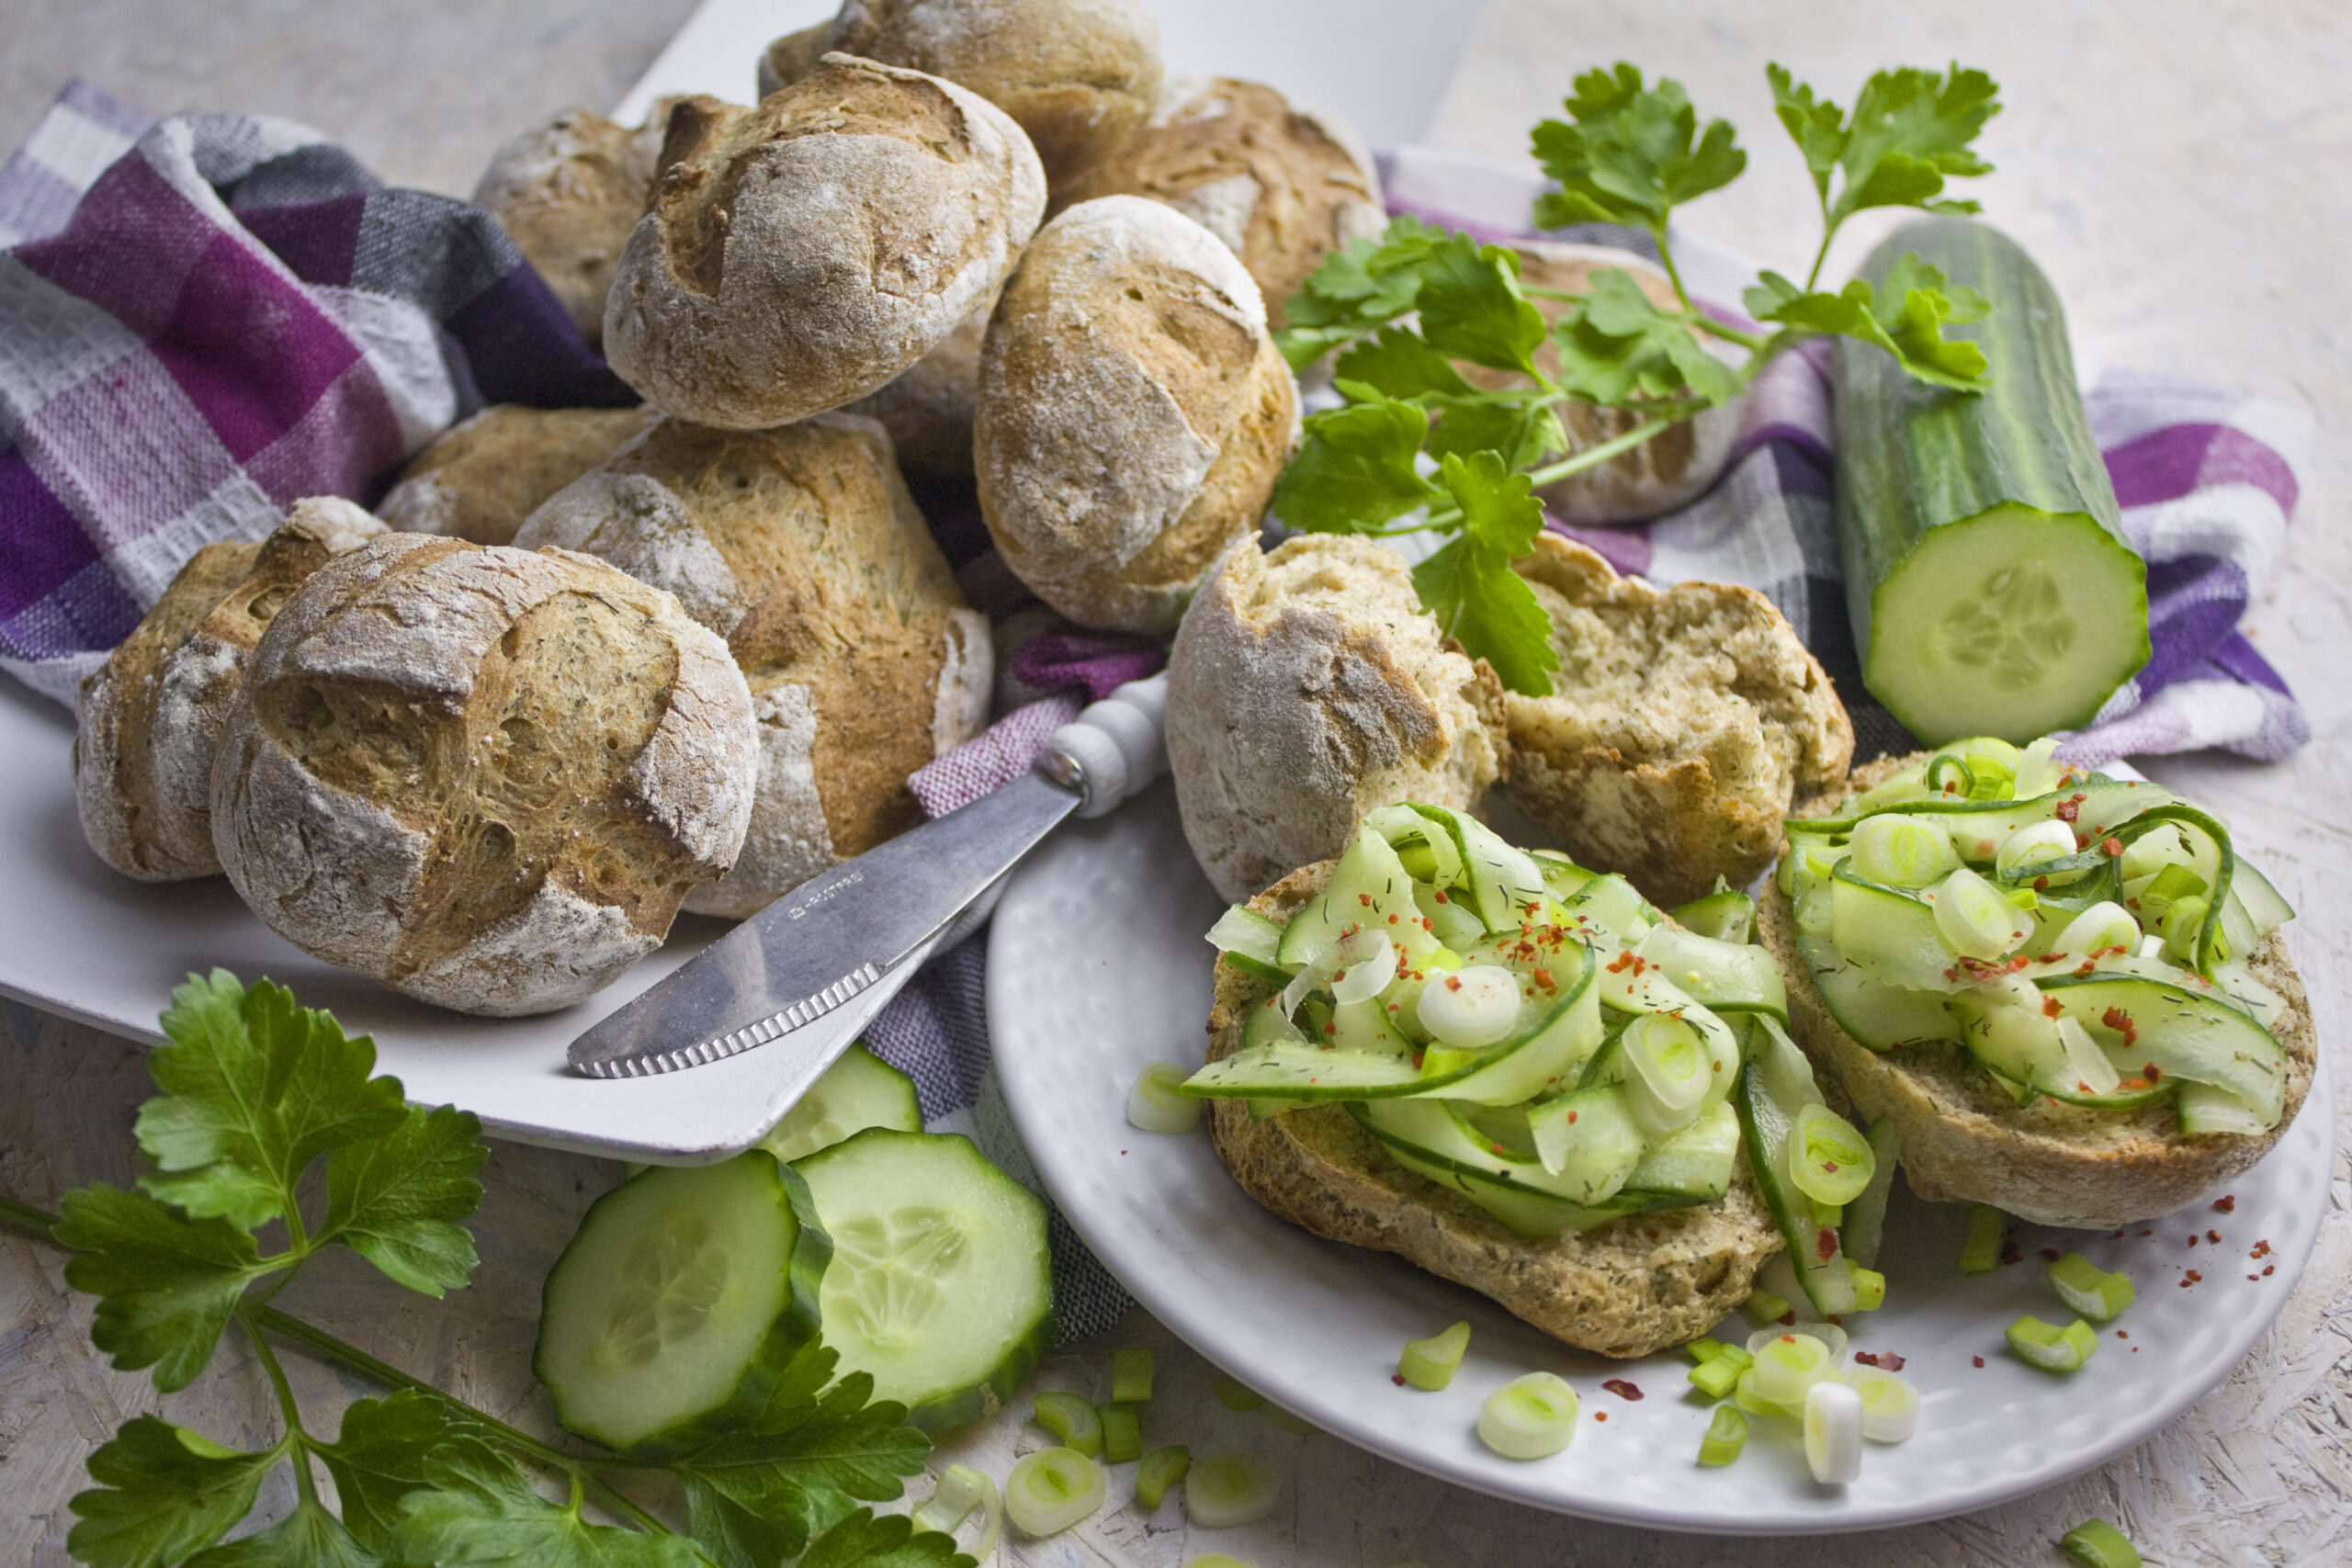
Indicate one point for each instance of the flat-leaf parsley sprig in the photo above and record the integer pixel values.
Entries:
(258, 1093)
(1415, 447)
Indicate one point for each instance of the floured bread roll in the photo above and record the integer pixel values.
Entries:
(567, 193)
(928, 407)
(1307, 687)
(799, 255)
(1684, 725)
(1282, 187)
(151, 718)
(482, 477)
(793, 56)
(1134, 413)
(481, 775)
(802, 547)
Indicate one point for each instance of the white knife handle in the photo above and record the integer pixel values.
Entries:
(1113, 749)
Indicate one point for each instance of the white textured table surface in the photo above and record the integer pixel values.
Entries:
(2176, 167)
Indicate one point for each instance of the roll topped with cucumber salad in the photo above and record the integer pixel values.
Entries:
(1522, 1076)
(2067, 990)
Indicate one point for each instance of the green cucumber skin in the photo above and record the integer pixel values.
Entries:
(1912, 458)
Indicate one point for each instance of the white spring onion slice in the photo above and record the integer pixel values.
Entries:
(1428, 1364)
(1155, 1106)
(2093, 1072)
(1529, 1417)
(1230, 1487)
(1829, 1334)
(2039, 769)
(1975, 920)
(1238, 931)
(1829, 1161)
(1890, 1404)
(2037, 843)
(1833, 1433)
(1672, 1060)
(1787, 1366)
(1470, 1008)
(1317, 976)
(962, 1489)
(1903, 851)
(2104, 925)
(1051, 1490)
(1367, 976)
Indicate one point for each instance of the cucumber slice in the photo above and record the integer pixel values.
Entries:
(1890, 935)
(1718, 971)
(858, 1091)
(940, 1286)
(2182, 1033)
(1369, 890)
(1865, 1223)
(1694, 1164)
(1501, 879)
(1609, 908)
(1774, 1086)
(1243, 930)
(1727, 915)
(1593, 1168)
(1878, 1016)
(1990, 587)
(678, 1301)
(1522, 1208)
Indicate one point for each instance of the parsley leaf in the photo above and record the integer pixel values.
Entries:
(379, 1457)
(397, 1199)
(163, 1493)
(1521, 431)
(1360, 287)
(1400, 364)
(1469, 585)
(1620, 350)
(166, 1284)
(1354, 468)
(1471, 308)
(862, 1540)
(481, 1516)
(310, 1536)
(1632, 155)
(1910, 131)
(1816, 125)
(255, 1088)
(1907, 320)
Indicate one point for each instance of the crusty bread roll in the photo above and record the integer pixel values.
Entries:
(567, 193)
(1626, 1289)
(481, 775)
(927, 408)
(1965, 1140)
(1683, 724)
(1078, 75)
(482, 477)
(1134, 414)
(802, 547)
(1671, 470)
(799, 255)
(151, 718)
(793, 56)
(1282, 187)
(1307, 687)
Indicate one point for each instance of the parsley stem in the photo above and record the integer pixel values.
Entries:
(1593, 456)
(1665, 260)
(298, 1442)
(1713, 328)
(25, 1217)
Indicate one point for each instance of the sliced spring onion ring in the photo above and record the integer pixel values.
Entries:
(1671, 1061)
(1787, 1365)
(1071, 1419)
(1232, 1487)
(1429, 1364)
(1368, 972)
(1122, 1433)
(2038, 771)
(1131, 1376)
(1986, 1226)
(1829, 1334)
(2104, 925)
(2090, 1290)
(2051, 1348)
(960, 1490)
(1235, 1394)
(2183, 923)
(1250, 935)
(1744, 1396)
(1153, 1104)
(1531, 1416)
(1890, 1404)
(1051, 1490)
(1829, 1159)
(1905, 848)
(1833, 1433)
(1726, 1434)
(1161, 1469)
(1870, 1287)
(2036, 844)
(1975, 920)
(2095, 1543)
(1719, 1373)
(1949, 776)
(1471, 1007)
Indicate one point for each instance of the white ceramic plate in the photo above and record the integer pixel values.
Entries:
(1096, 966)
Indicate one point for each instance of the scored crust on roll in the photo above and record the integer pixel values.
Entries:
(1624, 1289)
(567, 193)
(482, 477)
(1966, 1140)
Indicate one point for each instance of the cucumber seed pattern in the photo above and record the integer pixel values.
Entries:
(672, 1280)
(2015, 626)
(897, 1262)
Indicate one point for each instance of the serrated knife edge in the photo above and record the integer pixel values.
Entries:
(736, 1041)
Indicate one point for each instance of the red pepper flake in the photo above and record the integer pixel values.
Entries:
(2011, 1253)
(1617, 965)
(2120, 1021)
(1977, 1359)
(1332, 1027)
(2118, 1236)
(1365, 899)
(1397, 1378)
(1543, 978)
(2122, 1334)
(1601, 1416)
(2253, 1277)
(2110, 847)
(1830, 1167)
(2049, 1007)
(1787, 1319)
(2154, 1073)
(1442, 898)
(1652, 1234)
(2049, 1255)
(2192, 1278)
(1885, 1360)
(2147, 1232)
(1453, 982)
(2193, 1241)
(1835, 1319)
(1572, 1118)
(2067, 810)
(2226, 1204)
(2261, 1249)
(2268, 1269)
(1826, 1244)
(1621, 1389)
(2041, 884)
(2213, 1236)
(1392, 919)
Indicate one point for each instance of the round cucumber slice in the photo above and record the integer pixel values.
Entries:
(858, 1091)
(678, 1301)
(940, 1285)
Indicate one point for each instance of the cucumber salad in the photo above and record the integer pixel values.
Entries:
(1542, 1039)
(2084, 938)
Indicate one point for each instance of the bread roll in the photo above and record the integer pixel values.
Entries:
(928, 407)
(1134, 414)
(1671, 470)
(799, 255)
(151, 718)
(1280, 187)
(483, 777)
(482, 477)
(1684, 725)
(567, 193)
(800, 546)
(1307, 687)
(793, 56)
(1078, 77)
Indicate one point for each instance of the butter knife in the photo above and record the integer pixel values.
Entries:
(831, 941)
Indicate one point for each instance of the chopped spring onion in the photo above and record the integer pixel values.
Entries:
(1670, 1060)
(1744, 1396)
(1949, 776)
(1071, 1419)
(1234, 1487)
(1890, 1404)
(1787, 1364)
(2051, 1348)
(1130, 1376)
(1252, 935)
(1833, 1433)
(1122, 1433)
(1726, 1434)
(1994, 762)
(2095, 1543)
(1161, 1469)
(2094, 1071)
(1865, 1224)
(1975, 920)
(1236, 1395)
(1429, 1364)
(1154, 1106)
(1829, 1334)
(2039, 769)
(2183, 922)
(2090, 1290)
(2173, 882)
(1051, 1490)
(2033, 845)
(1719, 1373)
(1529, 1417)
(962, 1489)
(1763, 1306)
(1215, 1560)
(1368, 972)
(1829, 1159)
(1986, 1226)
(2104, 925)
(1903, 850)
(1471, 1007)
(1870, 1287)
